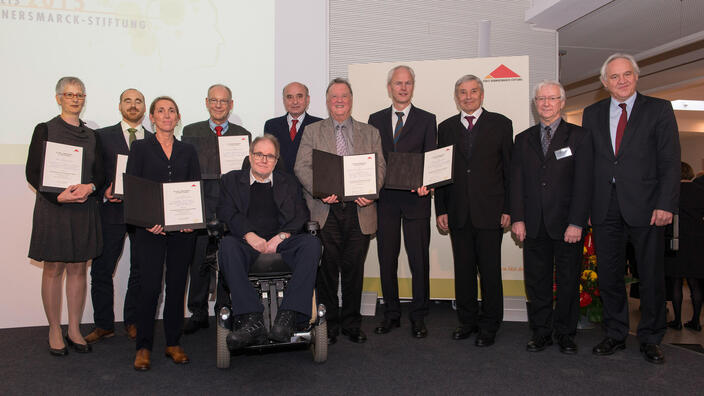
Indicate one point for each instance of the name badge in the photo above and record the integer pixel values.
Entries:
(563, 153)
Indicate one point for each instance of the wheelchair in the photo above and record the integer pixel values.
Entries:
(269, 276)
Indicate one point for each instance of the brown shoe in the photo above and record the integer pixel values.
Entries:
(131, 331)
(177, 354)
(142, 361)
(98, 334)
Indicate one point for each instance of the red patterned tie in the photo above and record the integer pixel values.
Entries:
(293, 129)
(470, 120)
(218, 130)
(621, 126)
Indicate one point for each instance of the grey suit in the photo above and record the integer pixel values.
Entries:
(345, 227)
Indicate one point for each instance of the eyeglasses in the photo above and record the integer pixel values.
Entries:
(223, 102)
(71, 95)
(548, 98)
(267, 157)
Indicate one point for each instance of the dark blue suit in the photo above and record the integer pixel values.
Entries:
(301, 251)
(113, 142)
(419, 134)
(279, 127)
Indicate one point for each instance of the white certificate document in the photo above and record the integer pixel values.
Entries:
(120, 169)
(437, 166)
(63, 166)
(232, 150)
(183, 204)
(359, 174)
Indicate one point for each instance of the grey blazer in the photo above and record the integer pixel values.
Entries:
(321, 136)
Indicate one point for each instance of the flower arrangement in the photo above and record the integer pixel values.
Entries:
(590, 304)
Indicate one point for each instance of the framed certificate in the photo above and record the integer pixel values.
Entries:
(118, 190)
(175, 205)
(349, 177)
(408, 171)
(62, 166)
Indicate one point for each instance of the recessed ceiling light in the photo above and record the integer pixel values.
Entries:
(693, 105)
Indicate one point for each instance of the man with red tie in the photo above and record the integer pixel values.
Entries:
(288, 128)
(219, 104)
(636, 191)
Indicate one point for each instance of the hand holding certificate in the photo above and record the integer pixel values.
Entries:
(349, 177)
(62, 167)
(408, 171)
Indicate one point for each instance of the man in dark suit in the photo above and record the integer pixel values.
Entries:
(289, 128)
(636, 192)
(219, 104)
(265, 212)
(475, 207)
(116, 140)
(407, 129)
(551, 176)
(345, 227)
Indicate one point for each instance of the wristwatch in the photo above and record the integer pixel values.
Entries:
(283, 235)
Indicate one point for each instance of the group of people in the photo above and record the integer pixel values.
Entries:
(620, 171)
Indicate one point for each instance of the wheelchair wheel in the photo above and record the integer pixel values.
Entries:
(319, 343)
(223, 353)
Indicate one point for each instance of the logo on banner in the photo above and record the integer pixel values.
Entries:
(501, 74)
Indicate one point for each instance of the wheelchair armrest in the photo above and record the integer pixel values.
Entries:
(312, 227)
(216, 228)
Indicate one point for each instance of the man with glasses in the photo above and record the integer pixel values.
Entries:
(114, 140)
(265, 212)
(551, 179)
(219, 104)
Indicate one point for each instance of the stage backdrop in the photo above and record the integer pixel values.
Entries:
(506, 89)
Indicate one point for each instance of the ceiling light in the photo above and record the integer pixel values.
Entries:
(693, 105)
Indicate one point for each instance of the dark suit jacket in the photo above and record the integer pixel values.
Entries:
(279, 127)
(233, 204)
(419, 134)
(543, 188)
(113, 143)
(211, 187)
(147, 160)
(481, 183)
(647, 167)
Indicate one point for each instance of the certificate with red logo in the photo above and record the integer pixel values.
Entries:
(62, 166)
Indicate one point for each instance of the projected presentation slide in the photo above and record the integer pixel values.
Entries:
(176, 48)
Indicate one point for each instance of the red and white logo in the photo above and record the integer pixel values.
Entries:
(502, 72)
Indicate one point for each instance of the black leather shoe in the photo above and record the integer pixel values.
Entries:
(387, 325)
(194, 324)
(675, 325)
(652, 353)
(355, 335)
(538, 343)
(57, 352)
(464, 331)
(251, 332)
(693, 326)
(608, 346)
(418, 329)
(80, 348)
(282, 330)
(567, 344)
(484, 339)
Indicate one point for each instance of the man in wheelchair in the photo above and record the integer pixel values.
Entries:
(265, 213)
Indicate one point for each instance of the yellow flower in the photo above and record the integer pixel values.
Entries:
(580, 288)
(593, 276)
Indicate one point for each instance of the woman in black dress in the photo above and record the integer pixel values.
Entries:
(66, 227)
(686, 263)
(162, 158)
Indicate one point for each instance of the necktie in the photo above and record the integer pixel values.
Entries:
(293, 129)
(399, 126)
(218, 130)
(133, 135)
(470, 120)
(621, 126)
(340, 144)
(545, 141)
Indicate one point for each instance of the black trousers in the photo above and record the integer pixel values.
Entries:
(541, 255)
(649, 242)
(416, 240)
(102, 290)
(175, 251)
(301, 252)
(478, 251)
(344, 251)
(201, 274)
